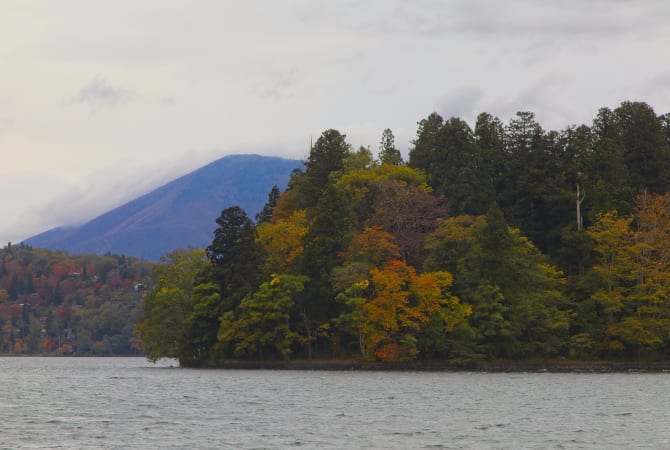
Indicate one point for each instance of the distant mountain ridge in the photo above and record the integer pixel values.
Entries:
(179, 214)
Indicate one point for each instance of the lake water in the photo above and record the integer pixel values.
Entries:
(129, 403)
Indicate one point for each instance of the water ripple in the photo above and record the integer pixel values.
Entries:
(128, 403)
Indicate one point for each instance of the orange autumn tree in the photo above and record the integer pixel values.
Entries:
(402, 304)
(370, 248)
(373, 246)
(387, 304)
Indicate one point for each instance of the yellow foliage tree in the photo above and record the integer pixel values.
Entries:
(282, 240)
(634, 273)
(614, 241)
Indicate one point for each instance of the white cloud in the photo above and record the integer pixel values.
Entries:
(100, 94)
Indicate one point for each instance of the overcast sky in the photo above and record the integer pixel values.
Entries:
(100, 101)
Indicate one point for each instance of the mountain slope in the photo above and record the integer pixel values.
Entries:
(179, 214)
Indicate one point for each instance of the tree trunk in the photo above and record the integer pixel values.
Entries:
(578, 203)
(308, 329)
(579, 199)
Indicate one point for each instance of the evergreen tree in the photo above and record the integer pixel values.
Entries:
(235, 255)
(325, 242)
(526, 194)
(611, 188)
(646, 151)
(427, 144)
(489, 134)
(388, 154)
(326, 157)
(449, 154)
(266, 213)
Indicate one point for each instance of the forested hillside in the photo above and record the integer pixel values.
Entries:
(53, 303)
(502, 241)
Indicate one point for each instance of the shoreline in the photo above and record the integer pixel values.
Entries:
(552, 366)
(494, 366)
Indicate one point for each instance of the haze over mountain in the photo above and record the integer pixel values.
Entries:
(179, 214)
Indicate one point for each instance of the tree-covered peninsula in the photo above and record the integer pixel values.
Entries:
(502, 241)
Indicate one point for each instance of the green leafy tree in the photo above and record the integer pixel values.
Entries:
(202, 324)
(261, 326)
(161, 328)
(518, 306)
(359, 160)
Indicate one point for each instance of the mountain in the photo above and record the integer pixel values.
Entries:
(179, 214)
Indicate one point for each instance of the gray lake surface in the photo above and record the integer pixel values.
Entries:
(130, 403)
